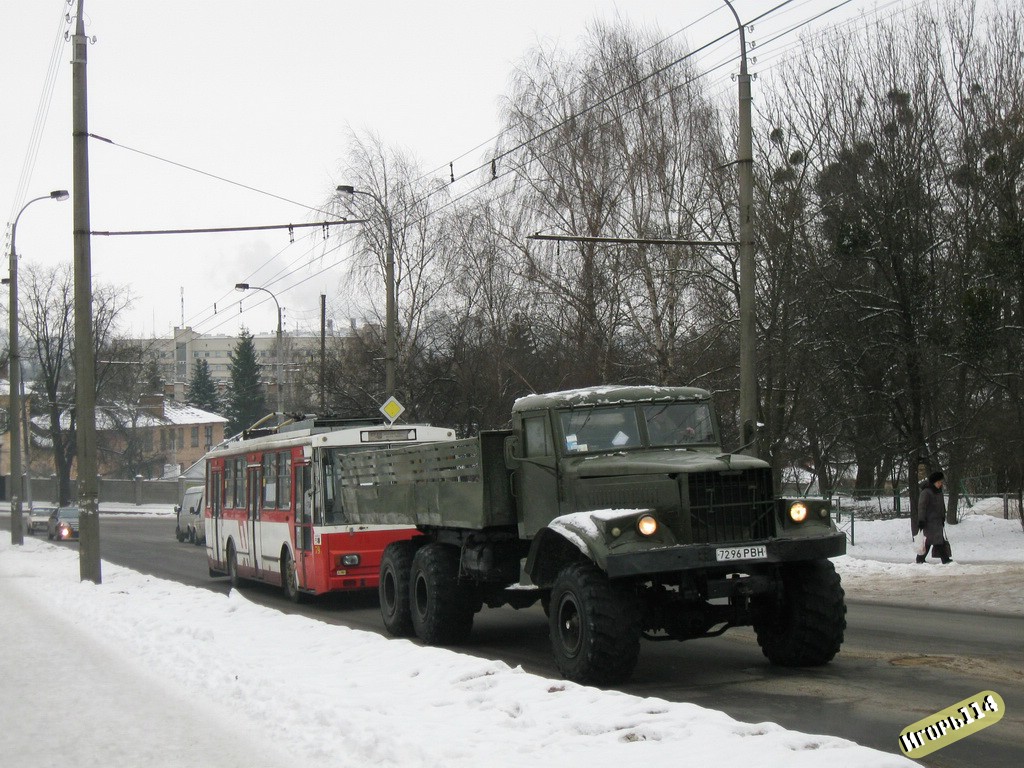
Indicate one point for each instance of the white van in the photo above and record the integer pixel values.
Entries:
(189, 515)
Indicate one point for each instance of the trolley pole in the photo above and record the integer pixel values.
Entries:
(85, 363)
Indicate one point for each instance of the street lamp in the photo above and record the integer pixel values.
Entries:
(280, 389)
(390, 323)
(17, 531)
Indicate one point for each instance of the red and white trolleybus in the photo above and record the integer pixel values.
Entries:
(273, 512)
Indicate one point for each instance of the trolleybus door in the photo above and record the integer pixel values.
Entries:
(255, 494)
(214, 500)
(303, 490)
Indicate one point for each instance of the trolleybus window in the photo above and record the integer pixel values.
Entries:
(239, 500)
(270, 480)
(284, 481)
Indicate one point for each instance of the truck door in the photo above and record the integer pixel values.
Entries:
(537, 476)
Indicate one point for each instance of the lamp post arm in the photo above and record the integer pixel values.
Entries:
(280, 354)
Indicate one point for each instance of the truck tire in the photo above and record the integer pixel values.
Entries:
(178, 535)
(442, 609)
(804, 629)
(395, 588)
(594, 626)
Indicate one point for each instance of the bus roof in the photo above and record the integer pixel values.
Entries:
(364, 436)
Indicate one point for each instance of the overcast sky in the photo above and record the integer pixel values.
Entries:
(264, 94)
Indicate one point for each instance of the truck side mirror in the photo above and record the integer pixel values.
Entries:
(512, 454)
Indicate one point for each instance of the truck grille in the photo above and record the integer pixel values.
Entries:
(731, 506)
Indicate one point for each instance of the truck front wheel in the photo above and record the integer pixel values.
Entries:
(594, 626)
(805, 628)
(394, 588)
(442, 609)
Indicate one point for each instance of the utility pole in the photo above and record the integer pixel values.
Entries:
(391, 309)
(85, 363)
(748, 338)
(323, 353)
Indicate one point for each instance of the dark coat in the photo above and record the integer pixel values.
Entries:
(931, 509)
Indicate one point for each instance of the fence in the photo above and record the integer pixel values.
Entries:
(137, 491)
(884, 504)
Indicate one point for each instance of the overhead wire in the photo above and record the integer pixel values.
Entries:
(41, 116)
(455, 200)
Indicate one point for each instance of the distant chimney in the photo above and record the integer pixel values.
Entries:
(152, 404)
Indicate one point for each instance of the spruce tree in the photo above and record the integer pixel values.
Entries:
(202, 392)
(245, 402)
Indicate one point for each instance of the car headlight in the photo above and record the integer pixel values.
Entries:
(798, 512)
(647, 525)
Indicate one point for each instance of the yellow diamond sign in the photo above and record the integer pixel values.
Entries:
(392, 409)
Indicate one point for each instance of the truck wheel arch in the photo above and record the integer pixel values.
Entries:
(552, 550)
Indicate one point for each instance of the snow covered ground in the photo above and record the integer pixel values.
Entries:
(141, 672)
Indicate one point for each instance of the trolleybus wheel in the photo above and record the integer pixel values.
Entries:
(233, 566)
(290, 578)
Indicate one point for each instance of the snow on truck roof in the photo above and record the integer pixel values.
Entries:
(608, 395)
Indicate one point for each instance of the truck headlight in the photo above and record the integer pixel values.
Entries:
(647, 525)
(798, 512)
(350, 560)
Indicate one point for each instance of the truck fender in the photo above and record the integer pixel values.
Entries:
(552, 549)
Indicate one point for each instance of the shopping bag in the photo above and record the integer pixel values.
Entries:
(920, 543)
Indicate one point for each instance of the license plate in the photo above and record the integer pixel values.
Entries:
(757, 552)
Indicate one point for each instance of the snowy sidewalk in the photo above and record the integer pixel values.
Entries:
(72, 700)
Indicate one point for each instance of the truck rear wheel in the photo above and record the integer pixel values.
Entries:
(594, 626)
(394, 588)
(804, 629)
(442, 609)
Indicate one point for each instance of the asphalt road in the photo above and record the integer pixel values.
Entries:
(898, 664)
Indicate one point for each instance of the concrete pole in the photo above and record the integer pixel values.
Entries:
(391, 317)
(748, 338)
(85, 362)
(391, 311)
(280, 363)
(323, 354)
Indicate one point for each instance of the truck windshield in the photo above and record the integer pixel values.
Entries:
(672, 424)
(587, 430)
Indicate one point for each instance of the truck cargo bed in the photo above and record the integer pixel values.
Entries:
(458, 484)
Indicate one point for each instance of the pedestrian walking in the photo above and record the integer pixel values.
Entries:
(931, 519)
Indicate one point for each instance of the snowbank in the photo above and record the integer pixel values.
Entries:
(146, 672)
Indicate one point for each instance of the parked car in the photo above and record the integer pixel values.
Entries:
(63, 524)
(189, 517)
(35, 519)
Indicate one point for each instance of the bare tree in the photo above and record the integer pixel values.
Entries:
(48, 318)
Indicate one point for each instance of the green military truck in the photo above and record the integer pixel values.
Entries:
(618, 510)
